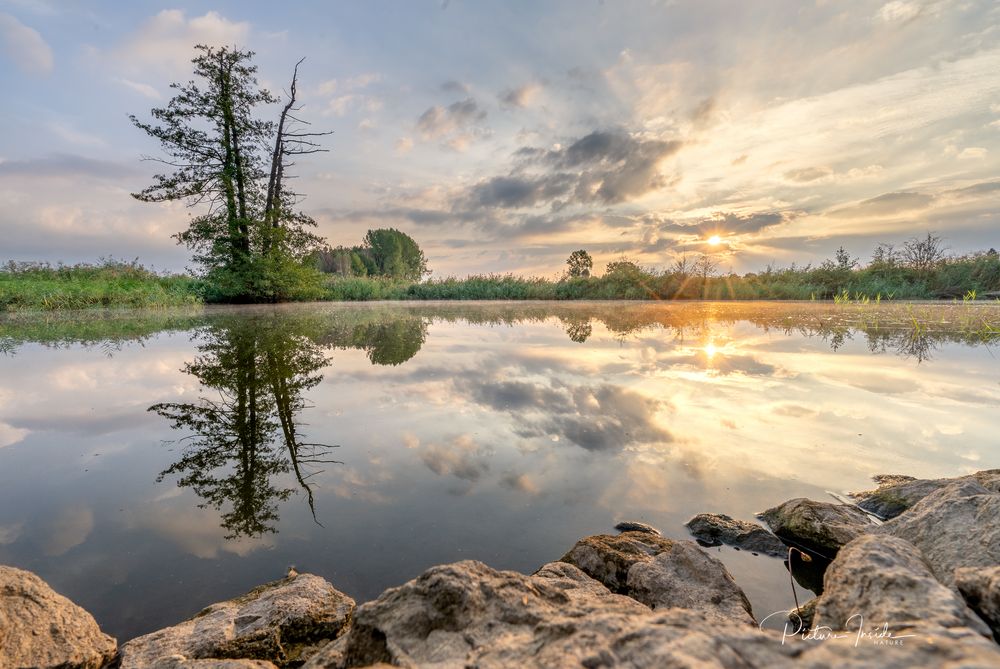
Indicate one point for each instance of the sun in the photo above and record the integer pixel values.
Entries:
(715, 240)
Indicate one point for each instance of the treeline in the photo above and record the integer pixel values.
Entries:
(918, 269)
(386, 253)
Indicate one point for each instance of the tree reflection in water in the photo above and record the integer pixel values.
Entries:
(246, 435)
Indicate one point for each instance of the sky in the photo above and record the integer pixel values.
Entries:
(504, 135)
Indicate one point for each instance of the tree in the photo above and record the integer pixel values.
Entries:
(923, 254)
(623, 268)
(580, 263)
(395, 254)
(844, 261)
(250, 242)
(705, 266)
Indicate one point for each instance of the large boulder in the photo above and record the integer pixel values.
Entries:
(981, 589)
(469, 615)
(281, 622)
(41, 628)
(896, 494)
(662, 573)
(466, 613)
(819, 528)
(888, 501)
(714, 529)
(953, 527)
(878, 580)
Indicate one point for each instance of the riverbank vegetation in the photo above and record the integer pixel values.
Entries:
(888, 277)
(111, 283)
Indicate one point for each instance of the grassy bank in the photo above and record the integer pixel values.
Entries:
(966, 277)
(110, 284)
(34, 286)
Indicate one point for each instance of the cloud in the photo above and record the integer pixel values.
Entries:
(456, 125)
(898, 11)
(888, 204)
(605, 167)
(461, 458)
(165, 42)
(704, 112)
(597, 418)
(25, 46)
(68, 529)
(519, 483)
(520, 96)
(404, 145)
(140, 88)
(807, 174)
(65, 165)
(453, 86)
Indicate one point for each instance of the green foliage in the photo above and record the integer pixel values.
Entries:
(111, 283)
(580, 264)
(251, 242)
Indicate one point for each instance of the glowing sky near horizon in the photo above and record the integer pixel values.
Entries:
(503, 136)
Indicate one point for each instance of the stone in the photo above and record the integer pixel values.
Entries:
(181, 662)
(981, 589)
(661, 573)
(953, 527)
(895, 494)
(878, 580)
(468, 613)
(714, 529)
(927, 648)
(819, 528)
(41, 628)
(636, 526)
(888, 501)
(281, 622)
(802, 618)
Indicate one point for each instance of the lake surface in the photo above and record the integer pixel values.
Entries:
(151, 464)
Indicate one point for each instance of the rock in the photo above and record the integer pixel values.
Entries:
(820, 528)
(989, 479)
(608, 558)
(469, 614)
(661, 573)
(802, 618)
(41, 628)
(878, 580)
(181, 662)
(713, 529)
(888, 501)
(635, 526)
(953, 527)
(927, 648)
(282, 622)
(895, 494)
(981, 589)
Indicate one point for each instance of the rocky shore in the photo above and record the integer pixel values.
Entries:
(910, 577)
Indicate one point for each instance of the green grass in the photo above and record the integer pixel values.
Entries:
(34, 286)
(962, 278)
(109, 284)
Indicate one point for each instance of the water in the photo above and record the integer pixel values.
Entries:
(151, 464)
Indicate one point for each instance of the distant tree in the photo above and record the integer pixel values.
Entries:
(622, 268)
(251, 242)
(395, 254)
(334, 261)
(580, 263)
(705, 266)
(923, 253)
(681, 266)
(843, 260)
